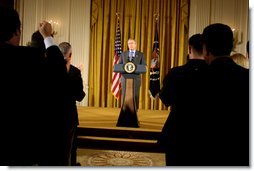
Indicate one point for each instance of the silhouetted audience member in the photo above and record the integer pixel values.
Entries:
(226, 128)
(74, 92)
(241, 60)
(184, 90)
(31, 120)
(37, 41)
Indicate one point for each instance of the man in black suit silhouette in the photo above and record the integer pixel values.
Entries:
(227, 116)
(74, 92)
(184, 89)
(31, 119)
(213, 121)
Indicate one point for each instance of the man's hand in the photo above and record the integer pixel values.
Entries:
(45, 29)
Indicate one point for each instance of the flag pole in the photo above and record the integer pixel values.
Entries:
(156, 24)
(117, 15)
(156, 17)
(155, 65)
(117, 52)
(118, 18)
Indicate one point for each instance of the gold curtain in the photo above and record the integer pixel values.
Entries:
(137, 20)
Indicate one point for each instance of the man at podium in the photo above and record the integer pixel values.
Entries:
(138, 58)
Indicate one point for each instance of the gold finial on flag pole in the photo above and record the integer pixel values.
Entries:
(156, 16)
(117, 14)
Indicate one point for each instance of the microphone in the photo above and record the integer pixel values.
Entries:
(131, 56)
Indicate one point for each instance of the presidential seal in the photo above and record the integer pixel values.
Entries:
(129, 67)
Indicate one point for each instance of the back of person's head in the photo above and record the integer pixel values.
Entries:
(196, 43)
(218, 39)
(10, 23)
(240, 59)
(37, 41)
(65, 48)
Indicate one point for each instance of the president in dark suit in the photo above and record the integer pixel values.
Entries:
(138, 58)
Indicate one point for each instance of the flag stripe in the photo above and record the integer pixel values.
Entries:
(116, 76)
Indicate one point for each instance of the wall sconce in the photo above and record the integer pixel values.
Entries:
(237, 38)
(55, 26)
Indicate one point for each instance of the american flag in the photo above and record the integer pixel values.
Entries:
(116, 76)
(155, 66)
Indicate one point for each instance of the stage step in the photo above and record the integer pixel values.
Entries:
(119, 132)
(119, 138)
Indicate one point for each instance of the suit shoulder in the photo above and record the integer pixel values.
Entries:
(25, 51)
(177, 69)
(239, 69)
(75, 69)
(172, 72)
(139, 52)
(122, 54)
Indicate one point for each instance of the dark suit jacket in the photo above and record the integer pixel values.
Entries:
(139, 59)
(209, 119)
(184, 90)
(31, 116)
(227, 124)
(75, 93)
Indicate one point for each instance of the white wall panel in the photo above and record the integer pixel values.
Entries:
(231, 12)
(79, 39)
(28, 23)
(73, 18)
(200, 16)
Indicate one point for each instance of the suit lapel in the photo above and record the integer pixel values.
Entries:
(136, 60)
(137, 57)
(125, 55)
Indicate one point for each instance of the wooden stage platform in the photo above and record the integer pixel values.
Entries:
(107, 118)
(97, 130)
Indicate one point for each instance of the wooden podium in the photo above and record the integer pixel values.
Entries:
(128, 114)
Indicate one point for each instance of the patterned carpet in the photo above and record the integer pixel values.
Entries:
(89, 157)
